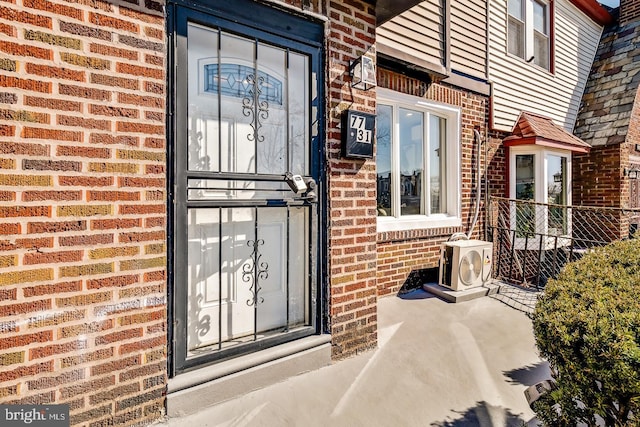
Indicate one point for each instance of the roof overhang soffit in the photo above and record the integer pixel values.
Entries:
(388, 9)
(594, 10)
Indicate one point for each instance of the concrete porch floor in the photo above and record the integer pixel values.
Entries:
(437, 364)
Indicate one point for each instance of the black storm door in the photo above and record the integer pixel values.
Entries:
(246, 242)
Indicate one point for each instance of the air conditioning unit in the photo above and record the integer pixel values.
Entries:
(465, 264)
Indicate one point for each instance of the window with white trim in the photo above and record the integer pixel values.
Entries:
(417, 161)
(543, 176)
(528, 31)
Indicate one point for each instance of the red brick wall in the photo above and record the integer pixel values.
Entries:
(400, 253)
(633, 133)
(497, 167)
(629, 10)
(630, 152)
(597, 180)
(351, 189)
(597, 176)
(83, 213)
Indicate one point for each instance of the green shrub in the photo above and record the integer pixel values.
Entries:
(587, 325)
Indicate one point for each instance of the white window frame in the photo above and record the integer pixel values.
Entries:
(452, 217)
(529, 32)
(540, 167)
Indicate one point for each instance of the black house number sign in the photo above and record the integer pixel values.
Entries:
(358, 134)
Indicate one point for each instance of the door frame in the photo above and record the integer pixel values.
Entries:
(273, 26)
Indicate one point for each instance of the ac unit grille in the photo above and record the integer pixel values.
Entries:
(470, 267)
(465, 264)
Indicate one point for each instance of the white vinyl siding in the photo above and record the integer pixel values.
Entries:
(418, 32)
(469, 37)
(521, 86)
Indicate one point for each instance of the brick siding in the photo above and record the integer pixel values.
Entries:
(497, 172)
(82, 239)
(597, 176)
(83, 218)
(401, 253)
(351, 189)
(629, 10)
(631, 189)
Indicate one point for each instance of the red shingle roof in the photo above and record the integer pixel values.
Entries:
(534, 129)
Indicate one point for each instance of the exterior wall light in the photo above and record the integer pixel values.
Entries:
(363, 73)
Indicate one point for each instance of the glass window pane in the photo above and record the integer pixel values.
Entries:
(411, 161)
(515, 8)
(215, 286)
(541, 50)
(298, 98)
(557, 194)
(516, 38)
(437, 163)
(224, 273)
(383, 158)
(238, 148)
(525, 177)
(299, 294)
(540, 17)
(269, 113)
(227, 124)
(203, 121)
(525, 190)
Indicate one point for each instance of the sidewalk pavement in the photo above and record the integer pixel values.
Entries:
(437, 364)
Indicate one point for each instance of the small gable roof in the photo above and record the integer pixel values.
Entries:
(534, 129)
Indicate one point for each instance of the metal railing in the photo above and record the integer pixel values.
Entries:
(533, 241)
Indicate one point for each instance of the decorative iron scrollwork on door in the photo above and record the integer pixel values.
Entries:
(254, 271)
(254, 108)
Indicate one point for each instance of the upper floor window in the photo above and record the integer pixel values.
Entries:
(418, 178)
(528, 30)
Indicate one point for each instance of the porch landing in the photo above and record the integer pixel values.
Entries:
(437, 364)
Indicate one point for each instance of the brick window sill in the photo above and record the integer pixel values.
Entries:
(396, 230)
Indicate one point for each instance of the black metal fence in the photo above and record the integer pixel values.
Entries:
(533, 241)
